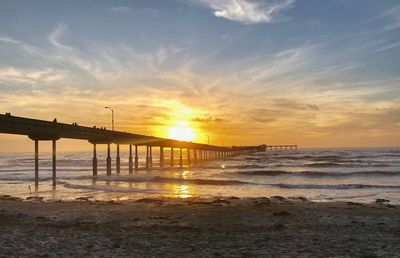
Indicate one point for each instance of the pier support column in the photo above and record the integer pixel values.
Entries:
(130, 159)
(151, 156)
(94, 160)
(180, 158)
(136, 158)
(188, 157)
(54, 162)
(161, 156)
(147, 157)
(195, 156)
(172, 157)
(108, 160)
(118, 161)
(36, 162)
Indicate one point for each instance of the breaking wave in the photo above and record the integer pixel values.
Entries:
(318, 173)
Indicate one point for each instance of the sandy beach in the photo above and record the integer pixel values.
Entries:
(227, 227)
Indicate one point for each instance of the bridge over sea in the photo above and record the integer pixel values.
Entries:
(40, 130)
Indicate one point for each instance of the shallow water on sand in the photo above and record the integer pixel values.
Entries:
(359, 175)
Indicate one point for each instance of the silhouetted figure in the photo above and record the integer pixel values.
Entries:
(55, 120)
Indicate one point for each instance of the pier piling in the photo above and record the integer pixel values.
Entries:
(136, 158)
(130, 159)
(172, 157)
(180, 158)
(118, 161)
(195, 156)
(54, 162)
(108, 160)
(147, 157)
(94, 160)
(161, 157)
(36, 162)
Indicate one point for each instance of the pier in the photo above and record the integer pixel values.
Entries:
(41, 130)
(280, 147)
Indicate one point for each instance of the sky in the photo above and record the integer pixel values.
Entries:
(232, 72)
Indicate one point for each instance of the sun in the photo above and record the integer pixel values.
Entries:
(178, 121)
(181, 132)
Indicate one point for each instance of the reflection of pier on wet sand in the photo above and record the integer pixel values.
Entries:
(39, 130)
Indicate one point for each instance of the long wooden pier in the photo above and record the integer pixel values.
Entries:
(40, 130)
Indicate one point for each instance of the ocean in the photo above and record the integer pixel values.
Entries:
(356, 175)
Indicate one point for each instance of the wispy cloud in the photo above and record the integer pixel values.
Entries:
(7, 39)
(387, 47)
(248, 11)
(55, 36)
(393, 16)
(120, 9)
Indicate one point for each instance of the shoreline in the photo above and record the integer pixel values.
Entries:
(217, 226)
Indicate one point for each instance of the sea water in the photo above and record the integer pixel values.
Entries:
(358, 175)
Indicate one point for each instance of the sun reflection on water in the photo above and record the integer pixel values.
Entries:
(182, 191)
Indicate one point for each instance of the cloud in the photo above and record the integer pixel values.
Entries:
(120, 9)
(248, 11)
(7, 39)
(55, 37)
(209, 119)
(31, 77)
(393, 15)
(263, 120)
(292, 105)
(387, 47)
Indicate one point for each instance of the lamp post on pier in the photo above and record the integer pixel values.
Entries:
(112, 116)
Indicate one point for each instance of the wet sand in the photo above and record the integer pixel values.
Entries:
(227, 227)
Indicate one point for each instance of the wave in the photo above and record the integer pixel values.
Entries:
(265, 172)
(342, 197)
(318, 173)
(338, 186)
(108, 188)
(344, 164)
(172, 180)
(71, 169)
(197, 181)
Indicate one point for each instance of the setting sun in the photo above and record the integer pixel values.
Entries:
(178, 121)
(181, 132)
